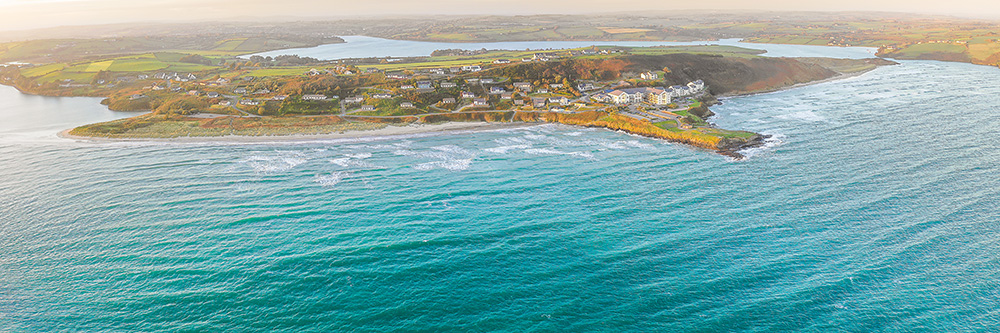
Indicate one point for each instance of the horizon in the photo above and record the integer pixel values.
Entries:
(48, 14)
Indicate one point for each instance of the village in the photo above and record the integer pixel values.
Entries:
(641, 96)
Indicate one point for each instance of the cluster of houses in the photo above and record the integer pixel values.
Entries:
(651, 95)
(181, 77)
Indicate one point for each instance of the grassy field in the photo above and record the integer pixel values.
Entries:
(917, 50)
(139, 63)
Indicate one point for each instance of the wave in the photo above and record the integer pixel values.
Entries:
(770, 143)
(330, 179)
(273, 164)
(506, 149)
(453, 165)
(548, 151)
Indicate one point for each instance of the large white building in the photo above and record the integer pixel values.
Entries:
(658, 96)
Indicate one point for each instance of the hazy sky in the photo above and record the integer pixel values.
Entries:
(25, 14)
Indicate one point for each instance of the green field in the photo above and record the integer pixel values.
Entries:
(137, 65)
(916, 50)
(42, 70)
(98, 66)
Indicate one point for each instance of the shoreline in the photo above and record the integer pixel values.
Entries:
(415, 129)
(386, 132)
(838, 77)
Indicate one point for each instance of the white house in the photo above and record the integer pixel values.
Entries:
(472, 68)
(522, 86)
(561, 100)
(696, 86)
(649, 76)
(448, 85)
(479, 102)
(382, 96)
(467, 94)
(367, 108)
(313, 97)
(406, 105)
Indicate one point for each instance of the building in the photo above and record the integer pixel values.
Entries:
(240, 91)
(397, 76)
(649, 76)
(486, 80)
(466, 94)
(657, 96)
(313, 97)
(367, 108)
(406, 87)
(497, 90)
(472, 68)
(561, 100)
(525, 86)
(501, 61)
(424, 85)
(137, 96)
(507, 95)
(382, 96)
(279, 97)
(212, 94)
(585, 87)
(479, 102)
(696, 86)
(448, 85)
(406, 105)
(249, 102)
(448, 100)
(354, 100)
(624, 97)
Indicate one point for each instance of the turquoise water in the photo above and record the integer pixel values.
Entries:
(366, 47)
(874, 209)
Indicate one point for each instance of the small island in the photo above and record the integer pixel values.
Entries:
(659, 92)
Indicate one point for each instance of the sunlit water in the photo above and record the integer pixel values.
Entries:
(875, 210)
(365, 47)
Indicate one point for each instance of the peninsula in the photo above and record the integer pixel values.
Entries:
(660, 92)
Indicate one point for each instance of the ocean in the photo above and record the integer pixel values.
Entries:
(874, 208)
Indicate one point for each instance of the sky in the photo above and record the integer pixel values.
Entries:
(30, 14)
